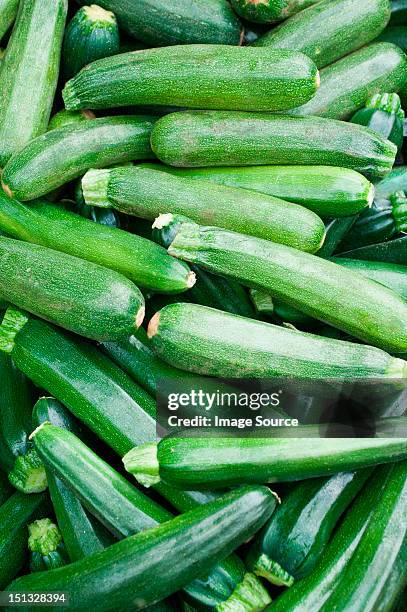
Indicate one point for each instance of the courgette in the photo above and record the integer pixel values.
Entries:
(55, 286)
(196, 76)
(392, 251)
(336, 231)
(269, 11)
(59, 156)
(64, 117)
(383, 113)
(330, 29)
(397, 35)
(5, 488)
(390, 275)
(349, 82)
(91, 34)
(140, 260)
(395, 181)
(205, 138)
(319, 288)
(398, 12)
(145, 193)
(47, 550)
(132, 565)
(29, 78)
(8, 13)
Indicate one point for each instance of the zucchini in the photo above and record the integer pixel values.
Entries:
(397, 35)
(8, 13)
(140, 260)
(292, 542)
(336, 230)
(197, 76)
(214, 462)
(29, 78)
(47, 550)
(59, 156)
(159, 23)
(319, 288)
(392, 251)
(269, 11)
(91, 34)
(383, 113)
(330, 29)
(205, 138)
(395, 181)
(390, 275)
(5, 488)
(326, 190)
(132, 565)
(398, 12)
(64, 117)
(55, 286)
(146, 193)
(93, 388)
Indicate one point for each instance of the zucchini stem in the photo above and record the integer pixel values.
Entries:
(142, 462)
(270, 570)
(28, 474)
(13, 321)
(249, 596)
(95, 184)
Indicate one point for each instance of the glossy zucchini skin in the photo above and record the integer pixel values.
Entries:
(398, 12)
(8, 13)
(269, 11)
(146, 193)
(55, 286)
(334, 295)
(233, 518)
(397, 35)
(136, 258)
(64, 117)
(383, 113)
(336, 229)
(325, 32)
(392, 251)
(219, 138)
(65, 153)
(390, 275)
(29, 79)
(349, 82)
(91, 34)
(326, 190)
(197, 76)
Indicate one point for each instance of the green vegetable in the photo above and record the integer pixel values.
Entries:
(29, 78)
(8, 13)
(91, 34)
(390, 275)
(398, 12)
(319, 288)
(5, 488)
(64, 117)
(396, 180)
(197, 76)
(205, 138)
(47, 550)
(129, 569)
(268, 11)
(330, 29)
(384, 115)
(336, 230)
(397, 35)
(392, 251)
(146, 193)
(65, 153)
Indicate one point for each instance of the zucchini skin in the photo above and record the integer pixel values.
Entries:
(398, 12)
(91, 34)
(325, 31)
(392, 251)
(137, 258)
(64, 117)
(29, 78)
(8, 13)
(334, 295)
(394, 182)
(6, 489)
(269, 11)
(336, 230)
(55, 286)
(383, 113)
(349, 82)
(396, 35)
(390, 275)
(63, 154)
(146, 193)
(219, 138)
(326, 190)
(233, 518)
(197, 76)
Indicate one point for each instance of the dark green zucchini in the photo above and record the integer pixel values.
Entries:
(390, 275)
(146, 193)
(133, 565)
(64, 117)
(65, 153)
(8, 13)
(47, 550)
(395, 181)
(336, 230)
(330, 29)
(91, 34)
(140, 260)
(269, 11)
(205, 138)
(397, 35)
(398, 12)
(349, 82)
(384, 115)
(29, 78)
(5, 488)
(392, 251)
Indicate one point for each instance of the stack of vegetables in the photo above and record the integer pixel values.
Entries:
(205, 188)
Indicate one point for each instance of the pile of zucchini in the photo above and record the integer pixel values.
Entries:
(200, 188)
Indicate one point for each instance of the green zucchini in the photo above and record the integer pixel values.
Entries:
(160, 23)
(146, 193)
(8, 13)
(223, 293)
(395, 181)
(64, 117)
(5, 488)
(398, 12)
(383, 113)
(91, 34)
(93, 388)
(336, 230)
(330, 29)
(269, 11)
(392, 251)
(291, 543)
(197, 76)
(132, 565)
(47, 550)
(390, 275)
(205, 138)
(29, 78)
(55, 286)
(15, 514)
(319, 288)
(214, 462)
(59, 156)
(349, 82)
(327, 190)
(397, 35)
(140, 260)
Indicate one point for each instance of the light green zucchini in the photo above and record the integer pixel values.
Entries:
(8, 13)
(269, 11)
(64, 117)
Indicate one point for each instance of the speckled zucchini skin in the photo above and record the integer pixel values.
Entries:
(30, 73)
(330, 29)
(221, 138)
(268, 11)
(197, 76)
(8, 12)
